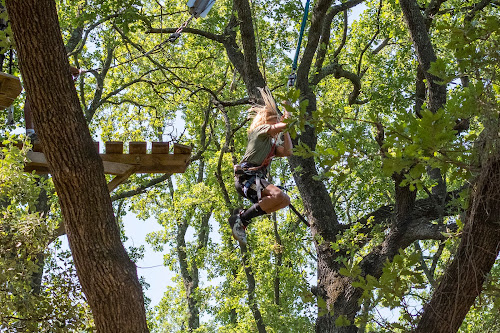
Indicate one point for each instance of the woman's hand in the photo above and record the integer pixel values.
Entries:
(286, 114)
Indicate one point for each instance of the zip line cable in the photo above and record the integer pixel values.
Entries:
(197, 8)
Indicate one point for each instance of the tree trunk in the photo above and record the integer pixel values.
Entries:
(108, 277)
(424, 51)
(463, 280)
(251, 74)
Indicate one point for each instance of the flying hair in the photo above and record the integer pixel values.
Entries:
(261, 114)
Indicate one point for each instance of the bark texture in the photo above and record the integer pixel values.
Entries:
(463, 280)
(108, 277)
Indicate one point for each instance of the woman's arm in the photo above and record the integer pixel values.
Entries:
(277, 128)
(286, 148)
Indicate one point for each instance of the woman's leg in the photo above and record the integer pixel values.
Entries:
(273, 199)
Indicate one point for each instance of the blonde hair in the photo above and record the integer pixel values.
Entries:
(262, 114)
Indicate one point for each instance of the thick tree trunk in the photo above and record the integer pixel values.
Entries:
(108, 277)
(3, 25)
(189, 278)
(463, 280)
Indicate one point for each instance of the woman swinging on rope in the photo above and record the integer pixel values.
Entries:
(265, 140)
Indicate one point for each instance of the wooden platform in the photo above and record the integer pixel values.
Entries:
(10, 88)
(122, 165)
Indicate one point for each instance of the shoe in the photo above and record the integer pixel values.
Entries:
(237, 228)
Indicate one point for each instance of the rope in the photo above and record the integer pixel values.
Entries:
(293, 75)
(302, 218)
(292, 207)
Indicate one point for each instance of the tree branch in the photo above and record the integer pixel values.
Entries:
(379, 48)
(141, 188)
(344, 35)
(253, 77)
(83, 39)
(477, 7)
(338, 72)
(96, 100)
(370, 42)
(325, 39)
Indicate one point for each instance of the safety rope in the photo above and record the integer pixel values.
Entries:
(293, 76)
(302, 218)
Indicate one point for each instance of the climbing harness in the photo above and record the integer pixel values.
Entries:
(293, 76)
(256, 174)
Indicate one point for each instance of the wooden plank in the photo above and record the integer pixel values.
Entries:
(37, 146)
(137, 147)
(115, 182)
(114, 147)
(36, 158)
(148, 160)
(162, 169)
(159, 147)
(117, 164)
(182, 149)
(44, 169)
(17, 144)
(10, 88)
(152, 163)
(38, 162)
(113, 168)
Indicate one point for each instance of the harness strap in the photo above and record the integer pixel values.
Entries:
(248, 183)
(258, 187)
(269, 157)
(256, 173)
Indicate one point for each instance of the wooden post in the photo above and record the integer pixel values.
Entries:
(137, 147)
(114, 147)
(159, 147)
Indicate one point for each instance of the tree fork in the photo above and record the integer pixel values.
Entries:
(107, 275)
